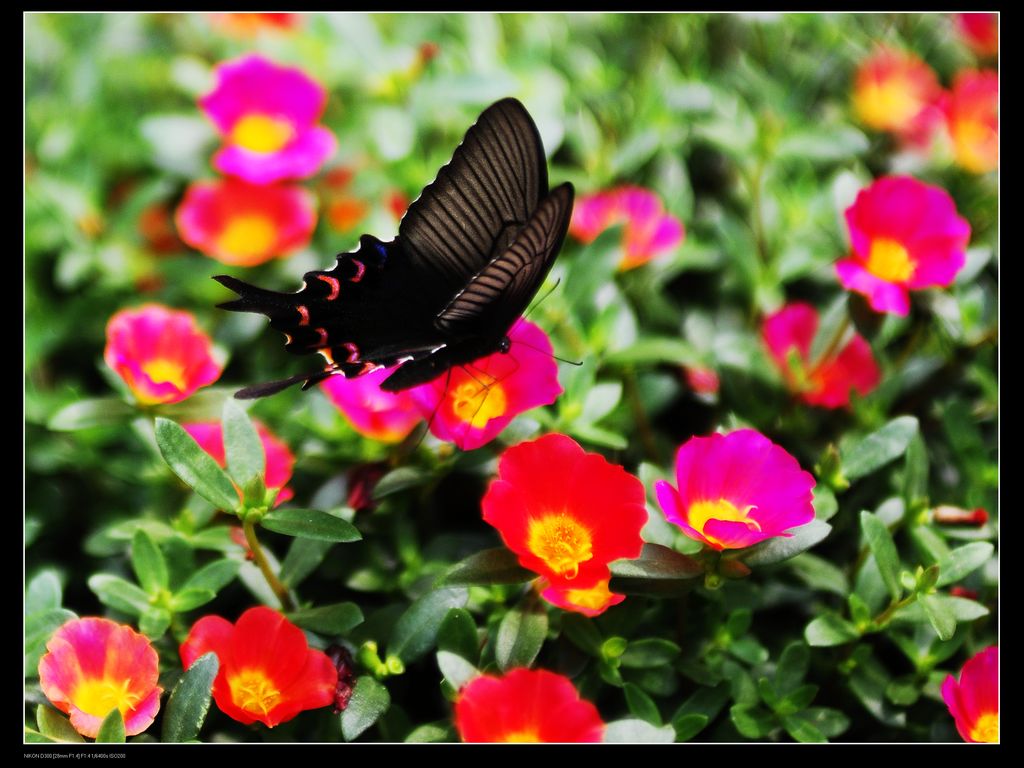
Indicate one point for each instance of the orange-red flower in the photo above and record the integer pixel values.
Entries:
(244, 25)
(649, 230)
(525, 706)
(972, 119)
(267, 671)
(826, 382)
(592, 601)
(973, 701)
(245, 224)
(93, 666)
(980, 31)
(161, 353)
(567, 514)
(279, 458)
(895, 91)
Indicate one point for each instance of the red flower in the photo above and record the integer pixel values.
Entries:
(471, 404)
(974, 700)
(267, 671)
(244, 25)
(525, 706)
(592, 601)
(703, 381)
(93, 665)
(972, 118)
(567, 514)
(895, 91)
(244, 224)
(826, 382)
(980, 31)
(161, 353)
(279, 458)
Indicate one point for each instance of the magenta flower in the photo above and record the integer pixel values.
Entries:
(649, 231)
(826, 382)
(244, 224)
(268, 117)
(906, 236)
(470, 405)
(161, 353)
(974, 700)
(278, 456)
(93, 666)
(736, 490)
(380, 415)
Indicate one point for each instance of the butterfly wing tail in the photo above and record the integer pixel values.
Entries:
(253, 299)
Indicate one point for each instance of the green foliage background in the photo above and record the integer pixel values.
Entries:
(742, 125)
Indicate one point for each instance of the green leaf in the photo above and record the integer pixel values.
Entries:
(213, 576)
(111, 729)
(304, 556)
(939, 616)
(777, 549)
(456, 670)
(582, 632)
(797, 699)
(802, 730)
(427, 734)
(416, 629)
(868, 682)
(641, 705)
(820, 574)
(43, 592)
(688, 726)
(148, 563)
(599, 401)
(823, 144)
(458, 635)
(658, 571)
(243, 449)
(399, 480)
(825, 504)
(884, 549)
(962, 560)
(118, 593)
(196, 468)
(879, 448)
(654, 350)
(751, 721)
(190, 701)
(489, 566)
(85, 414)
(649, 652)
(520, 636)
(54, 725)
(191, 598)
(310, 524)
(632, 731)
(154, 621)
(38, 629)
(831, 722)
(369, 701)
(707, 701)
(915, 473)
(792, 667)
(830, 629)
(334, 619)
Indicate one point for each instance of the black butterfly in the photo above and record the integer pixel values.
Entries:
(470, 254)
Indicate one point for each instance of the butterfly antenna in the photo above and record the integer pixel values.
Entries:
(545, 352)
(447, 381)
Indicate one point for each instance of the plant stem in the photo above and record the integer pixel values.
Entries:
(249, 527)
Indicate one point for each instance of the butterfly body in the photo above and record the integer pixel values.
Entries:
(470, 254)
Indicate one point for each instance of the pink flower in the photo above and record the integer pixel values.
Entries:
(162, 354)
(242, 224)
(279, 458)
(267, 115)
(826, 382)
(974, 700)
(906, 236)
(896, 91)
(972, 118)
(736, 490)
(703, 381)
(649, 231)
(93, 666)
(980, 31)
(472, 404)
(380, 415)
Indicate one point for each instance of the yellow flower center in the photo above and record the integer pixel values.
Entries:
(889, 261)
(561, 541)
(525, 736)
(247, 236)
(252, 691)
(164, 371)
(99, 697)
(973, 144)
(260, 133)
(592, 599)
(888, 104)
(477, 404)
(986, 729)
(702, 511)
